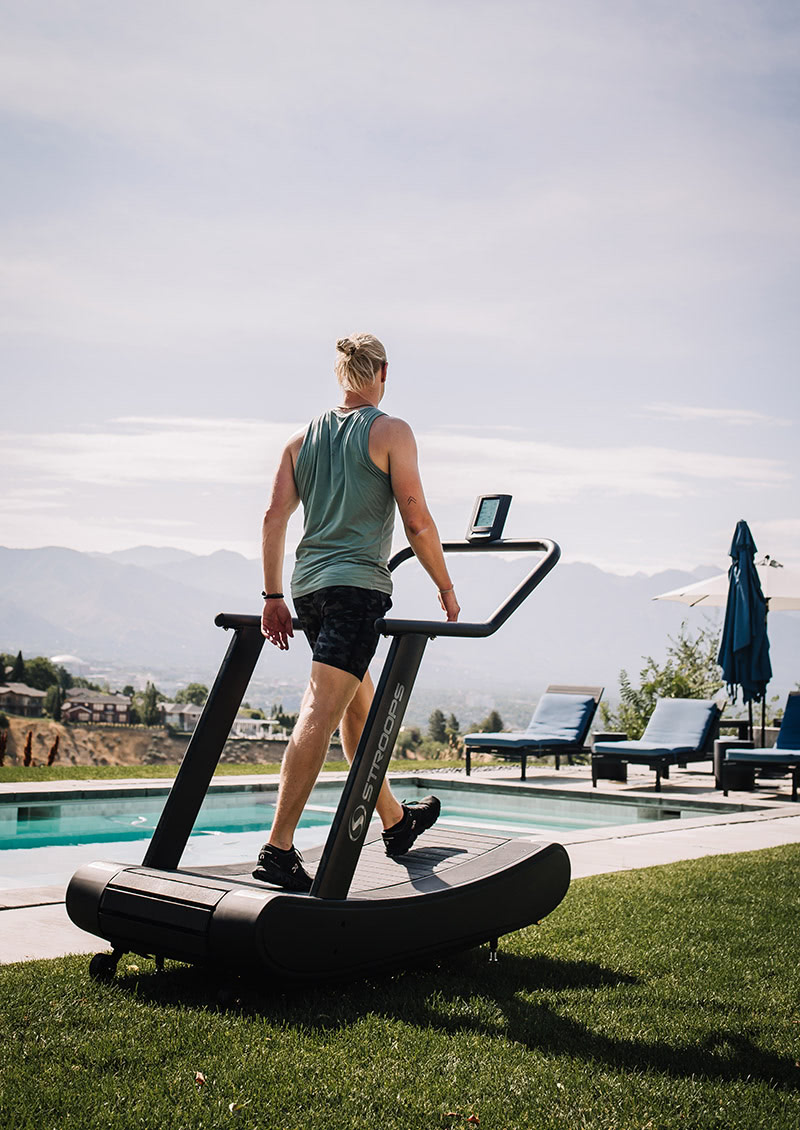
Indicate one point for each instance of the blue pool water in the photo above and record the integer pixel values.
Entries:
(43, 841)
(99, 819)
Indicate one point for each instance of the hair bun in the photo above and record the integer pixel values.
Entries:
(347, 346)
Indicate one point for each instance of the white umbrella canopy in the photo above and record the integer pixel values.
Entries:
(781, 588)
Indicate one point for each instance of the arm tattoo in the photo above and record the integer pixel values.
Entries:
(410, 499)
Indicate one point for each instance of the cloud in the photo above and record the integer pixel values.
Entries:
(734, 417)
(569, 211)
(780, 537)
(506, 187)
(30, 500)
(150, 69)
(458, 465)
(235, 452)
(159, 450)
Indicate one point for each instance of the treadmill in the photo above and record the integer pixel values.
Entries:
(365, 912)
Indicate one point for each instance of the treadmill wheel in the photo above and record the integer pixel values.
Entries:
(103, 966)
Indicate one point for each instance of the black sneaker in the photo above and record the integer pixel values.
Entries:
(282, 868)
(418, 816)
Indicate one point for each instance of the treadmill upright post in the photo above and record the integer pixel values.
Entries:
(371, 760)
(204, 749)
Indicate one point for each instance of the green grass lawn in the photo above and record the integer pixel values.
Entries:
(13, 774)
(659, 998)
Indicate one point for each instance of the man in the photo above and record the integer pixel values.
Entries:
(349, 468)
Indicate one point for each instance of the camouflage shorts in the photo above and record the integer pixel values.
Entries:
(339, 623)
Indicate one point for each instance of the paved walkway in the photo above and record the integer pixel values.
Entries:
(34, 923)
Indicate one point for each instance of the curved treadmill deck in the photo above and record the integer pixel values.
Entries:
(455, 890)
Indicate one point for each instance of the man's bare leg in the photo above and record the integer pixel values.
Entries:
(388, 806)
(327, 696)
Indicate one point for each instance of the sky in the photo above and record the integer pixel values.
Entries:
(575, 226)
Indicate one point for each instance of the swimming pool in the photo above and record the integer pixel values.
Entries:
(44, 840)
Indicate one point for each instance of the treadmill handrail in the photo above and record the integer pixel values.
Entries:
(476, 630)
(479, 629)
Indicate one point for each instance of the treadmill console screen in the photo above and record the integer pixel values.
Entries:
(489, 517)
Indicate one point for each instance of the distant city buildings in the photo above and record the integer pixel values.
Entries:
(71, 663)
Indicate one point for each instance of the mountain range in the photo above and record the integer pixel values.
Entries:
(150, 611)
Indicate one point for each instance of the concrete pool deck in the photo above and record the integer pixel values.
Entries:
(34, 923)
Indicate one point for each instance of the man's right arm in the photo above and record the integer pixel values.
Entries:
(420, 528)
(276, 619)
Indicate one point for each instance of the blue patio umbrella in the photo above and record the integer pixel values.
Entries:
(744, 647)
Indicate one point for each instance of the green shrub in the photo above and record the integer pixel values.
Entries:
(690, 671)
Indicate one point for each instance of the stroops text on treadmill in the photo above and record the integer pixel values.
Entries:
(359, 817)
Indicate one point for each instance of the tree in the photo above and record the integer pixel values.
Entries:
(52, 702)
(690, 671)
(18, 670)
(453, 731)
(196, 693)
(42, 673)
(437, 730)
(408, 740)
(492, 723)
(150, 700)
(84, 684)
(286, 721)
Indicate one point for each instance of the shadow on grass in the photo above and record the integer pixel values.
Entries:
(517, 986)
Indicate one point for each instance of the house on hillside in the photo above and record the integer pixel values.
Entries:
(258, 729)
(21, 699)
(82, 705)
(181, 716)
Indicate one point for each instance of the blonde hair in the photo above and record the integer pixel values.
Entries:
(360, 358)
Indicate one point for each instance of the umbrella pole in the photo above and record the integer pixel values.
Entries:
(764, 695)
(750, 717)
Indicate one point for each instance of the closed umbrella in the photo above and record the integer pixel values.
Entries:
(780, 586)
(744, 647)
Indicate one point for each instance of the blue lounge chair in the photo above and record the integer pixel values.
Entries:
(559, 726)
(680, 730)
(785, 754)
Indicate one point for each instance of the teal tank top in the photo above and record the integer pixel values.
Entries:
(348, 506)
